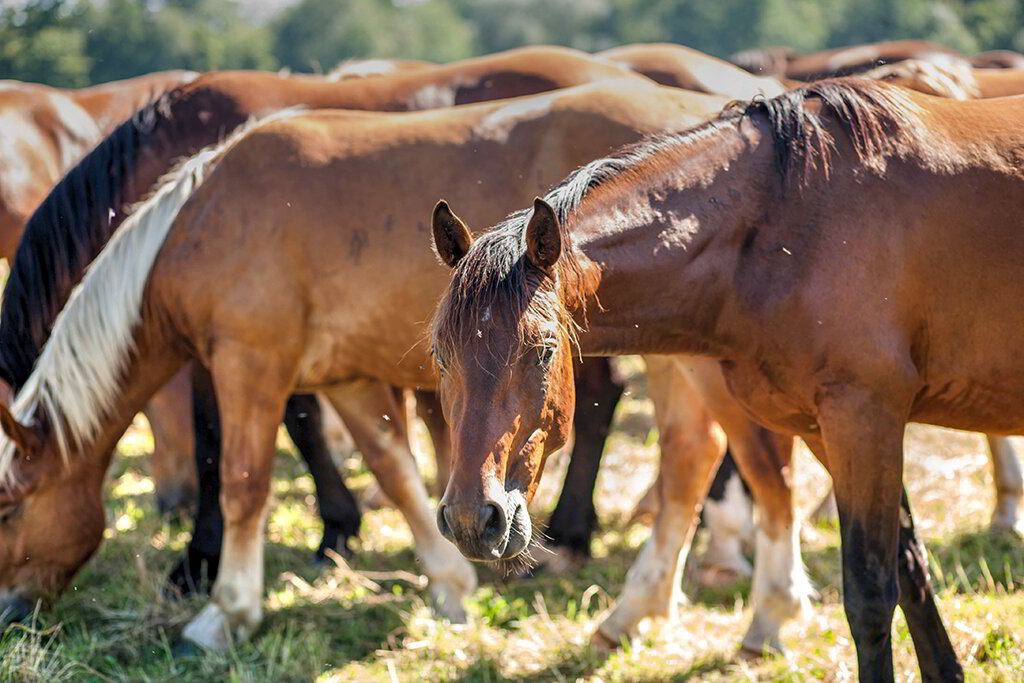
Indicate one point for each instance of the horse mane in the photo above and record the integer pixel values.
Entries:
(953, 79)
(875, 116)
(77, 379)
(62, 236)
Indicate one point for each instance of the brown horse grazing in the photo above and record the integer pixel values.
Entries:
(111, 103)
(998, 59)
(44, 134)
(683, 67)
(78, 217)
(314, 298)
(848, 252)
(856, 58)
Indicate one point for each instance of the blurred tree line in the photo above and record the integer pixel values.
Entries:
(73, 43)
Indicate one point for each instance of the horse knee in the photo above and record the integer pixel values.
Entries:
(245, 496)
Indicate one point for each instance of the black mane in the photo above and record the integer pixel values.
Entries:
(63, 236)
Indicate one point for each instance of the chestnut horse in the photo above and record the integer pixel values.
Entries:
(78, 217)
(44, 134)
(848, 252)
(683, 67)
(316, 296)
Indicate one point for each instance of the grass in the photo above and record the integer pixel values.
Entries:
(369, 622)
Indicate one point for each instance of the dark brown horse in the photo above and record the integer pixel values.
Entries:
(850, 254)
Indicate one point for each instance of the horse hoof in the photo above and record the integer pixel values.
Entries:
(602, 643)
(186, 649)
(322, 561)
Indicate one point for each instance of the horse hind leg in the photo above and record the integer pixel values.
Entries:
(338, 507)
(251, 393)
(691, 445)
(728, 518)
(781, 589)
(1009, 485)
(368, 409)
(935, 653)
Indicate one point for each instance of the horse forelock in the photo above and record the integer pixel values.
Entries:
(75, 382)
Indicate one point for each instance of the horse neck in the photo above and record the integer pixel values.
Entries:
(667, 243)
(151, 366)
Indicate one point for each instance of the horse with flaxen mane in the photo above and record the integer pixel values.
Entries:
(313, 299)
(78, 217)
(849, 253)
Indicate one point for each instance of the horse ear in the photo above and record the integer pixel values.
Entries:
(543, 237)
(452, 238)
(28, 439)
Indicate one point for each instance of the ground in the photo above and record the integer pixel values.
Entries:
(368, 622)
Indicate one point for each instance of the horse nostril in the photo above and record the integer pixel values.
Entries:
(443, 522)
(491, 520)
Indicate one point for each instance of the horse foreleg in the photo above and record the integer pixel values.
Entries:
(252, 387)
(368, 409)
(172, 465)
(691, 446)
(198, 568)
(862, 438)
(338, 507)
(1009, 484)
(428, 407)
(574, 518)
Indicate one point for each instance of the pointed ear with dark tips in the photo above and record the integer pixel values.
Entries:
(543, 237)
(27, 439)
(452, 238)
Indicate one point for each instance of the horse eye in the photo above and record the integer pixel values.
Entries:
(9, 512)
(545, 354)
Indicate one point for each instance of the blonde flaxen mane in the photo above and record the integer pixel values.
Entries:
(74, 383)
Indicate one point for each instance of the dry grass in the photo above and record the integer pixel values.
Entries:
(350, 625)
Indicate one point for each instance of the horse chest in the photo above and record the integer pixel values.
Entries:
(766, 401)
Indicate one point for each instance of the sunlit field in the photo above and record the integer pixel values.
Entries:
(369, 621)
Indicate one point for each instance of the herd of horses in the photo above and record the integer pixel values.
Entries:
(794, 255)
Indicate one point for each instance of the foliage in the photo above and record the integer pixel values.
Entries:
(73, 43)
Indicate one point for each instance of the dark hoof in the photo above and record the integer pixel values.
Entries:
(193, 575)
(16, 610)
(186, 649)
(338, 545)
